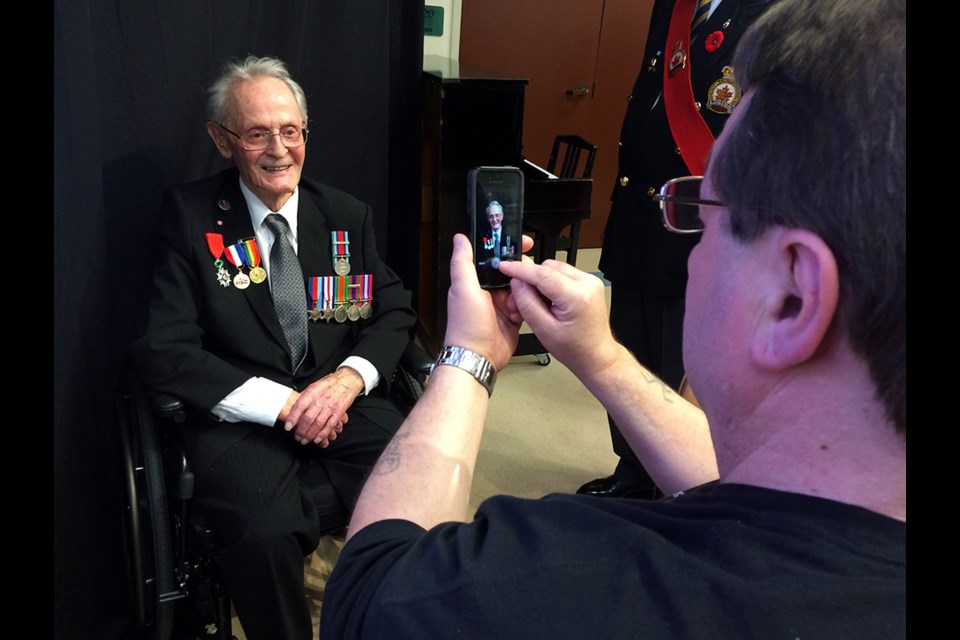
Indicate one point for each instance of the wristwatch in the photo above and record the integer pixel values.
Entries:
(471, 362)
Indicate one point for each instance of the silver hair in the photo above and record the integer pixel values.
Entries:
(218, 93)
(494, 203)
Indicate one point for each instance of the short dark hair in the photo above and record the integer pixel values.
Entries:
(822, 146)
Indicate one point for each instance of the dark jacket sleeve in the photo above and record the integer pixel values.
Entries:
(176, 352)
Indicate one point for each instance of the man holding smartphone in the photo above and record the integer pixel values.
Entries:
(786, 515)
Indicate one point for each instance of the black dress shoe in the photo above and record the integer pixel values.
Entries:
(614, 487)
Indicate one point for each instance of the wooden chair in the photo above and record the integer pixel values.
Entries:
(577, 153)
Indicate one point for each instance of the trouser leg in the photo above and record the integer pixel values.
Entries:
(269, 499)
(348, 460)
(650, 327)
(265, 523)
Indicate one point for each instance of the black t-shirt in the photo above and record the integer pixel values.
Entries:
(718, 561)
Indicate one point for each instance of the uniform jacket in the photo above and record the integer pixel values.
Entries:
(637, 249)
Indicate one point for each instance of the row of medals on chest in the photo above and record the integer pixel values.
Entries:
(340, 310)
(334, 306)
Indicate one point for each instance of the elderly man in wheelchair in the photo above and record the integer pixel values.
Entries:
(271, 311)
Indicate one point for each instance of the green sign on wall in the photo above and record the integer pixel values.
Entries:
(432, 20)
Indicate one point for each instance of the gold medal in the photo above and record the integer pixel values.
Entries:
(258, 275)
(247, 253)
(241, 281)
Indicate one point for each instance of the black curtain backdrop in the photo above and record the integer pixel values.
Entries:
(128, 122)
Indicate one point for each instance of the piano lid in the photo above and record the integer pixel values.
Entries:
(450, 70)
(549, 198)
(537, 170)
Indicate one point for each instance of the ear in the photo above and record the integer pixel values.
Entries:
(216, 134)
(802, 302)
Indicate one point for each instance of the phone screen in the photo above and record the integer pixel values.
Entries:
(495, 205)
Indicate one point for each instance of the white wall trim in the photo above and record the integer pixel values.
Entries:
(447, 45)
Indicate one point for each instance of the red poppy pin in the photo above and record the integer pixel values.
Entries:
(713, 41)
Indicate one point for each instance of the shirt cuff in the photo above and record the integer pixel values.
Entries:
(258, 400)
(369, 373)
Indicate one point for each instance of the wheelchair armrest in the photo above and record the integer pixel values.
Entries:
(416, 360)
(168, 406)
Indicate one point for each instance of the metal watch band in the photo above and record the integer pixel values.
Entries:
(471, 362)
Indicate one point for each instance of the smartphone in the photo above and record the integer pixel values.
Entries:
(495, 209)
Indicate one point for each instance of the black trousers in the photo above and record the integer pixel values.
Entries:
(651, 327)
(268, 500)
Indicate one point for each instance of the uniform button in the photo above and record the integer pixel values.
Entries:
(624, 181)
(651, 191)
(676, 150)
(699, 106)
(630, 98)
(620, 143)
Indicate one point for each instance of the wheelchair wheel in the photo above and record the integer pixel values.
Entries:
(174, 582)
(146, 530)
(406, 389)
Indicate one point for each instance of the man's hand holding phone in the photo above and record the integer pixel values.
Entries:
(483, 321)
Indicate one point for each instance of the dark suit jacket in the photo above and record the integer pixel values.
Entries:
(203, 340)
(637, 249)
(487, 274)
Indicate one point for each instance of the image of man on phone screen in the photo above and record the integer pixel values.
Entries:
(494, 245)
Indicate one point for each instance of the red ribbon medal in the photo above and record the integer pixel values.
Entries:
(215, 246)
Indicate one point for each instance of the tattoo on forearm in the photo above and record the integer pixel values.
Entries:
(390, 458)
(668, 393)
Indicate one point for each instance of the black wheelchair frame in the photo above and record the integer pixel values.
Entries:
(170, 554)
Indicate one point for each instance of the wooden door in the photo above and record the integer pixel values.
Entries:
(581, 58)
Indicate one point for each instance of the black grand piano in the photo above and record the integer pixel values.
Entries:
(474, 117)
(550, 205)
